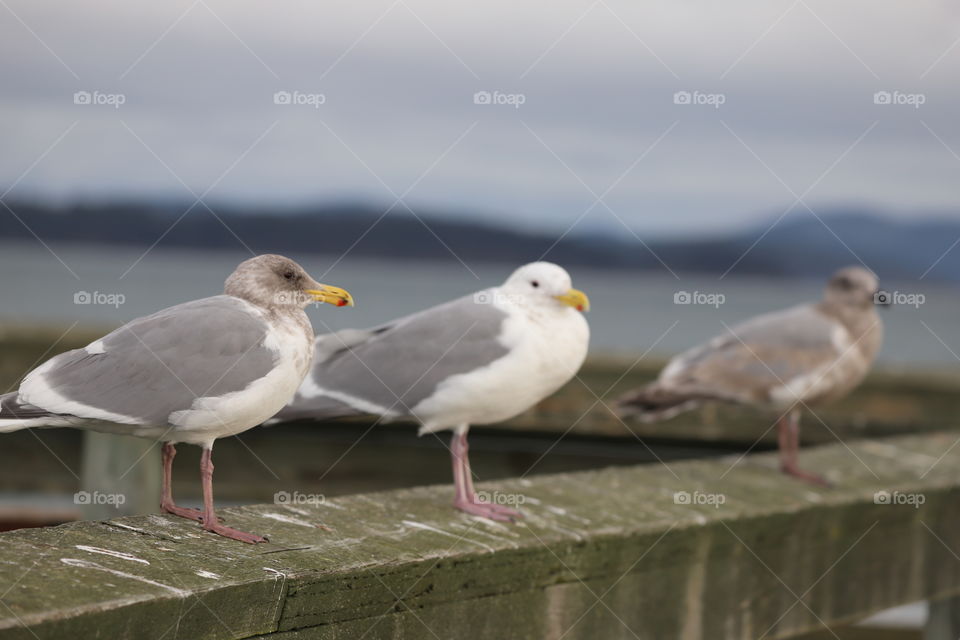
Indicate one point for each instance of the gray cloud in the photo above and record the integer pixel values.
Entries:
(797, 80)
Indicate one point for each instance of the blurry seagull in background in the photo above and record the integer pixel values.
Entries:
(780, 361)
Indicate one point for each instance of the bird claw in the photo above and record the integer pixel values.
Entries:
(806, 476)
(234, 534)
(183, 512)
(507, 511)
(216, 527)
(487, 510)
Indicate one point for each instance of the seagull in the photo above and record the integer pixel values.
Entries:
(191, 373)
(780, 361)
(479, 359)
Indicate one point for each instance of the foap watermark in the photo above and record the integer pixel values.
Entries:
(99, 298)
(914, 100)
(299, 98)
(99, 98)
(699, 98)
(888, 298)
(96, 497)
(496, 298)
(297, 298)
(699, 298)
(898, 498)
(714, 500)
(496, 497)
(297, 498)
(499, 98)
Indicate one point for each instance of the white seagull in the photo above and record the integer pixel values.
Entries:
(780, 361)
(191, 373)
(479, 359)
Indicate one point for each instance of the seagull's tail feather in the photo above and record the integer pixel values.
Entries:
(319, 407)
(654, 402)
(16, 415)
(315, 410)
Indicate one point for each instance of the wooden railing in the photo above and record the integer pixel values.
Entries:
(721, 548)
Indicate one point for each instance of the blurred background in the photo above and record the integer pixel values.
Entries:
(650, 148)
(691, 164)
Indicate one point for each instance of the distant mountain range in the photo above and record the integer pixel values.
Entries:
(799, 245)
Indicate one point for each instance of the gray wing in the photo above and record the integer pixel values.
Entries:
(757, 356)
(142, 372)
(389, 369)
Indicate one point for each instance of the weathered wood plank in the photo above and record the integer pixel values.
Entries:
(402, 564)
(859, 633)
(944, 620)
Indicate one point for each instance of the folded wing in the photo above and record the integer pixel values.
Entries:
(151, 367)
(388, 370)
(768, 355)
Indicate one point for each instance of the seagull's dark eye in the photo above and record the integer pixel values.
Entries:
(289, 275)
(534, 283)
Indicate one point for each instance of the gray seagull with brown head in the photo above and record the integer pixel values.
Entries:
(780, 361)
(191, 373)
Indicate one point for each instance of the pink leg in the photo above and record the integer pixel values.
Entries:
(788, 437)
(464, 460)
(464, 496)
(166, 497)
(210, 522)
(512, 514)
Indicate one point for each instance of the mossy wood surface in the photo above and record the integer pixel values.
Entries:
(601, 554)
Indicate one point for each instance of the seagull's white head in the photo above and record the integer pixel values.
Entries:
(545, 283)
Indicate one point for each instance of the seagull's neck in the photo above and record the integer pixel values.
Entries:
(288, 313)
(283, 314)
(856, 320)
(543, 314)
(293, 319)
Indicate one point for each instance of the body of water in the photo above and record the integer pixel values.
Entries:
(632, 312)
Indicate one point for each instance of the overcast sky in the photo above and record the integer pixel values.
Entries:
(588, 111)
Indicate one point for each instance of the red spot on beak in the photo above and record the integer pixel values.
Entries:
(579, 307)
(341, 303)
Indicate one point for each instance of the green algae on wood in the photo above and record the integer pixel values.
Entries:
(648, 551)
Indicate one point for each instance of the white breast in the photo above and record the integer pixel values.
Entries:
(848, 366)
(546, 351)
(209, 418)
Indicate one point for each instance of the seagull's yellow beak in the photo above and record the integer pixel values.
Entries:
(576, 299)
(331, 295)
